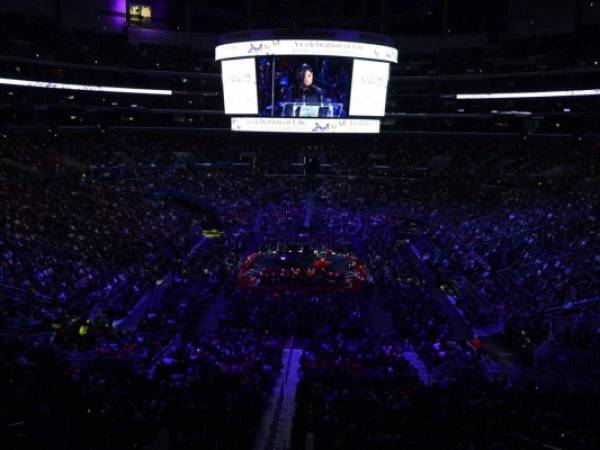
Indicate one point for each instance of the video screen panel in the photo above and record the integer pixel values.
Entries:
(314, 47)
(305, 125)
(239, 86)
(369, 88)
(304, 86)
(317, 81)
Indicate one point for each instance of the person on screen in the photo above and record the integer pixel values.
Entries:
(306, 90)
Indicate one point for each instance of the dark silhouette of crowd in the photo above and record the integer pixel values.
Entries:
(124, 326)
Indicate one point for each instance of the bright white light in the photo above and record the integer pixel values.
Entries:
(369, 88)
(539, 94)
(239, 86)
(82, 87)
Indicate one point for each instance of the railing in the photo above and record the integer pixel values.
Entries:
(534, 443)
(97, 68)
(270, 444)
(23, 291)
(542, 378)
(574, 306)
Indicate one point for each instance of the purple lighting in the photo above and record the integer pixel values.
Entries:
(118, 19)
(119, 6)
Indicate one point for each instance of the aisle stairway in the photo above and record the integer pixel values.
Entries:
(410, 355)
(358, 238)
(379, 316)
(256, 237)
(276, 425)
(308, 210)
(459, 327)
(216, 309)
(148, 300)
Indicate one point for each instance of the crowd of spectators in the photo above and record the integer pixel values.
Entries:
(37, 37)
(164, 224)
(43, 39)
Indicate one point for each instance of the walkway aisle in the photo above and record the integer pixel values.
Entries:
(415, 362)
(210, 321)
(149, 299)
(380, 318)
(502, 360)
(256, 238)
(275, 430)
(308, 209)
(459, 327)
(358, 238)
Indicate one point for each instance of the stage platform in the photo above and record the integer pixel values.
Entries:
(299, 269)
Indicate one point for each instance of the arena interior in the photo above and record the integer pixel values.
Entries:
(299, 225)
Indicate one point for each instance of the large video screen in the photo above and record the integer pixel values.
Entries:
(305, 79)
(304, 86)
